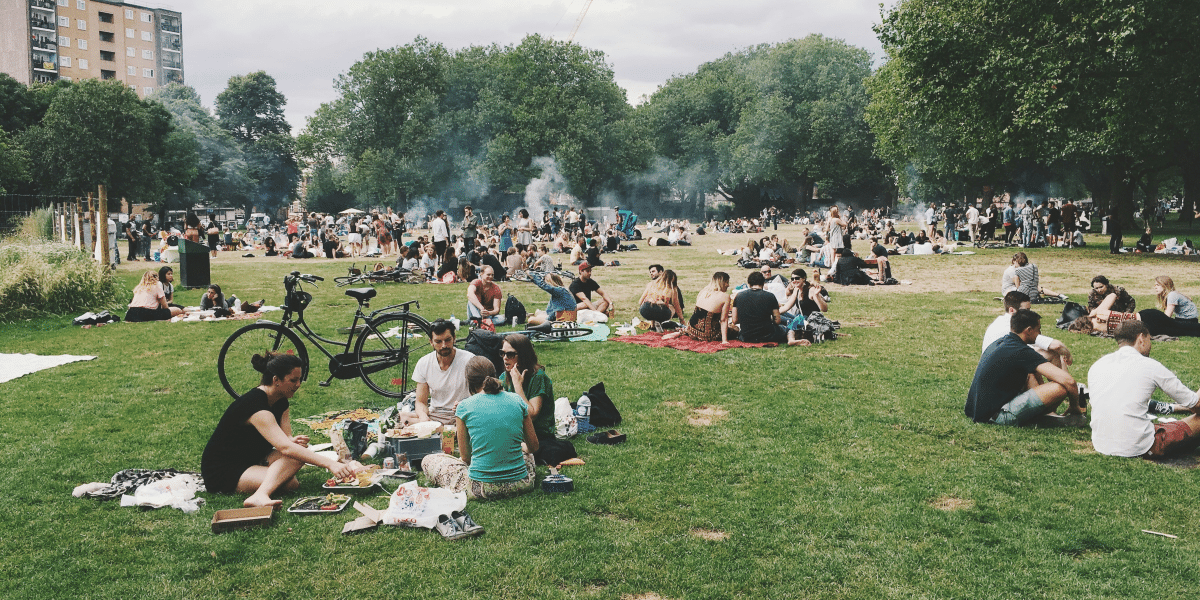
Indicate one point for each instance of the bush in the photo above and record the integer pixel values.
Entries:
(37, 225)
(43, 277)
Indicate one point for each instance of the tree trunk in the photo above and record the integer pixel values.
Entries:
(1189, 167)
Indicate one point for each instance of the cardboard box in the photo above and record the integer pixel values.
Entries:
(241, 518)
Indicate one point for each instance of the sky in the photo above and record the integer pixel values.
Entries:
(306, 44)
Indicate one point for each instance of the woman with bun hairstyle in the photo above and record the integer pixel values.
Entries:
(495, 438)
(252, 450)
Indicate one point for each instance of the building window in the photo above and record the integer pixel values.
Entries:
(65, 78)
(107, 74)
(83, 64)
(63, 3)
(147, 37)
(64, 41)
(129, 13)
(106, 55)
(82, 44)
(148, 54)
(106, 17)
(65, 61)
(106, 36)
(130, 51)
(147, 17)
(64, 21)
(146, 91)
(147, 72)
(129, 33)
(80, 24)
(134, 88)
(81, 4)
(131, 70)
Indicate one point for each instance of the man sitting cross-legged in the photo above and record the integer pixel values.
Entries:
(1121, 384)
(1009, 386)
(1051, 349)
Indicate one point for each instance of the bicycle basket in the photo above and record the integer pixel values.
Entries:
(298, 301)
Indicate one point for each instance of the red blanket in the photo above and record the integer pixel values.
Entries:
(654, 340)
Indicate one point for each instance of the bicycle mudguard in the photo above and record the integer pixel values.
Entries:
(268, 321)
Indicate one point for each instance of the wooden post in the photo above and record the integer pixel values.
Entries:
(102, 209)
(76, 227)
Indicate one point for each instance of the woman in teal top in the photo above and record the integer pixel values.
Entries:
(495, 439)
(533, 385)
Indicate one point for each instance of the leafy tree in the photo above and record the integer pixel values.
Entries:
(14, 163)
(221, 170)
(99, 133)
(251, 107)
(251, 110)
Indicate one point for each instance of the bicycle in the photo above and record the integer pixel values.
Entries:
(386, 348)
(551, 331)
(523, 275)
(356, 276)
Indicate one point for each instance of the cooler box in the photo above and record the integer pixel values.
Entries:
(416, 448)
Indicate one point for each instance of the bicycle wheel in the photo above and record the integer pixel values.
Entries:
(233, 363)
(388, 350)
(561, 334)
(348, 280)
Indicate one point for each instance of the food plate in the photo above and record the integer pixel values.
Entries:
(352, 483)
(311, 505)
(347, 486)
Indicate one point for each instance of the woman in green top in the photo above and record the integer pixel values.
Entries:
(532, 384)
(495, 438)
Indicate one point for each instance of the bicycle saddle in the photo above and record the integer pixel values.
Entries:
(361, 294)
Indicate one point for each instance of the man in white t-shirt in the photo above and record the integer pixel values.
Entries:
(440, 234)
(1121, 385)
(441, 376)
(1051, 349)
(972, 217)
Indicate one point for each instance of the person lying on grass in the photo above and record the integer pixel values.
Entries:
(1051, 349)
(252, 451)
(1121, 385)
(1010, 385)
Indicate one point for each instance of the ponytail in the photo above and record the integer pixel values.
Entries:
(491, 385)
(481, 375)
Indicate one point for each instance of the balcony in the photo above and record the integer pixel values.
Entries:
(42, 4)
(174, 45)
(45, 64)
(108, 74)
(172, 64)
(106, 17)
(171, 27)
(108, 56)
(107, 36)
(44, 24)
(43, 43)
(174, 76)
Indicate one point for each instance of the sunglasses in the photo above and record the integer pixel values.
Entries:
(797, 279)
(508, 354)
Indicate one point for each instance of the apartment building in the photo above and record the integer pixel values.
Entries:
(48, 40)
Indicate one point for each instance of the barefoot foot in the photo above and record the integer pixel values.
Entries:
(799, 343)
(261, 500)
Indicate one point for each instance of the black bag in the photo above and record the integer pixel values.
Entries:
(1070, 312)
(552, 451)
(604, 412)
(482, 342)
(514, 308)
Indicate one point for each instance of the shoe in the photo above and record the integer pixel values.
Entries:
(449, 528)
(466, 523)
(1084, 395)
(612, 437)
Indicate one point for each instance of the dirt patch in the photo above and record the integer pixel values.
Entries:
(162, 390)
(706, 415)
(616, 518)
(676, 404)
(1186, 461)
(711, 535)
(646, 596)
(950, 503)
(842, 355)
(863, 324)
(1083, 447)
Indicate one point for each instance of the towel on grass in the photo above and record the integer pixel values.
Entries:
(17, 365)
(654, 339)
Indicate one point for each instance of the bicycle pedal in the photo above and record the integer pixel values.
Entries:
(324, 384)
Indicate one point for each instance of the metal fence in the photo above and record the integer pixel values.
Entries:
(15, 206)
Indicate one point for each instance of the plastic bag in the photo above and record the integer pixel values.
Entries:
(415, 506)
(565, 425)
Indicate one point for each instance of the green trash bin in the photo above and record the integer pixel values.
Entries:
(193, 265)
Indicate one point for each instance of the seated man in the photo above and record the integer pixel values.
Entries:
(1121, 384)
(1009, 386)
(1051, 349)
(483, 298)
(441, 376)
(583, 288)
(774, 284)
(756, 313)
(879, 258)
(848, 270)
(300, 249)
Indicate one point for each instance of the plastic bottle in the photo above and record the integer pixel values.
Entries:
(583, 410)
(454, 319)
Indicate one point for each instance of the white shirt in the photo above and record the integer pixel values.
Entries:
(446, 388)
(1002, 325)
(439, 230)
(776, 286)
(1121, 384)
(973, 216)
(926, 248)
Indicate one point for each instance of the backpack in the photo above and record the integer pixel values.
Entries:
(604, 412)
(819, 328)
(514, 309)
(481, 342)
(1070, 312)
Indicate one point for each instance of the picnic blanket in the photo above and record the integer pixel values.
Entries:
(599, 333)
(654, 339)
(234, 317)
(18, 365)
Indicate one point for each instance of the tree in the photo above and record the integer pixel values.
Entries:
(14, 163)
(251, 110)
(767, 124)
(221, 170)
(99, 133)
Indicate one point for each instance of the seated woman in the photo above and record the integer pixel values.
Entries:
(1106, 296)
(213, 299)
(1172, 303)
(1106, 322)
(166, 277)
(495, 439)
(150, 302)
(804, 298)
(410, 258)
(1025, 278)
(562, 301)
(660, 301)
(252, 451)
(593, 254)
(449, 264)
(710, 318)
(269, 245)
(527, 379)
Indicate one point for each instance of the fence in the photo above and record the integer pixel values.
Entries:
(15, 206)
(76, 221)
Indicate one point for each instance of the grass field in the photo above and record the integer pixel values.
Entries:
(844, 470)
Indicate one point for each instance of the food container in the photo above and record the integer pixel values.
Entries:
(554, 483)
(241, 518)
(415, 448)
(298, 508)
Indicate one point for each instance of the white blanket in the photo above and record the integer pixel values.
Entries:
(13, 366)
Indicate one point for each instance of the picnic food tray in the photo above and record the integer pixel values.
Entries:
(304, 506)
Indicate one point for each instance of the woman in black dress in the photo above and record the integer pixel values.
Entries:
(252, 450)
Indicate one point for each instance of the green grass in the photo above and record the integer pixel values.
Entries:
(825, 475)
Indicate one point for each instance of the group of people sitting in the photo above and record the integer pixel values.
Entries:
(1110, 305)
(154, 299)
(1022, 376)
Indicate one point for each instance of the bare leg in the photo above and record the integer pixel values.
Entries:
(1054, 359)
(1052, 394)
(264, 481)
(792, 341)
(538, 318)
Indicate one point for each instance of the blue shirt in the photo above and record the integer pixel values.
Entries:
(560, 297)
(496, 424)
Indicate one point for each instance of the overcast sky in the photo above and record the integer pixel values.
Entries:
(305, 44)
